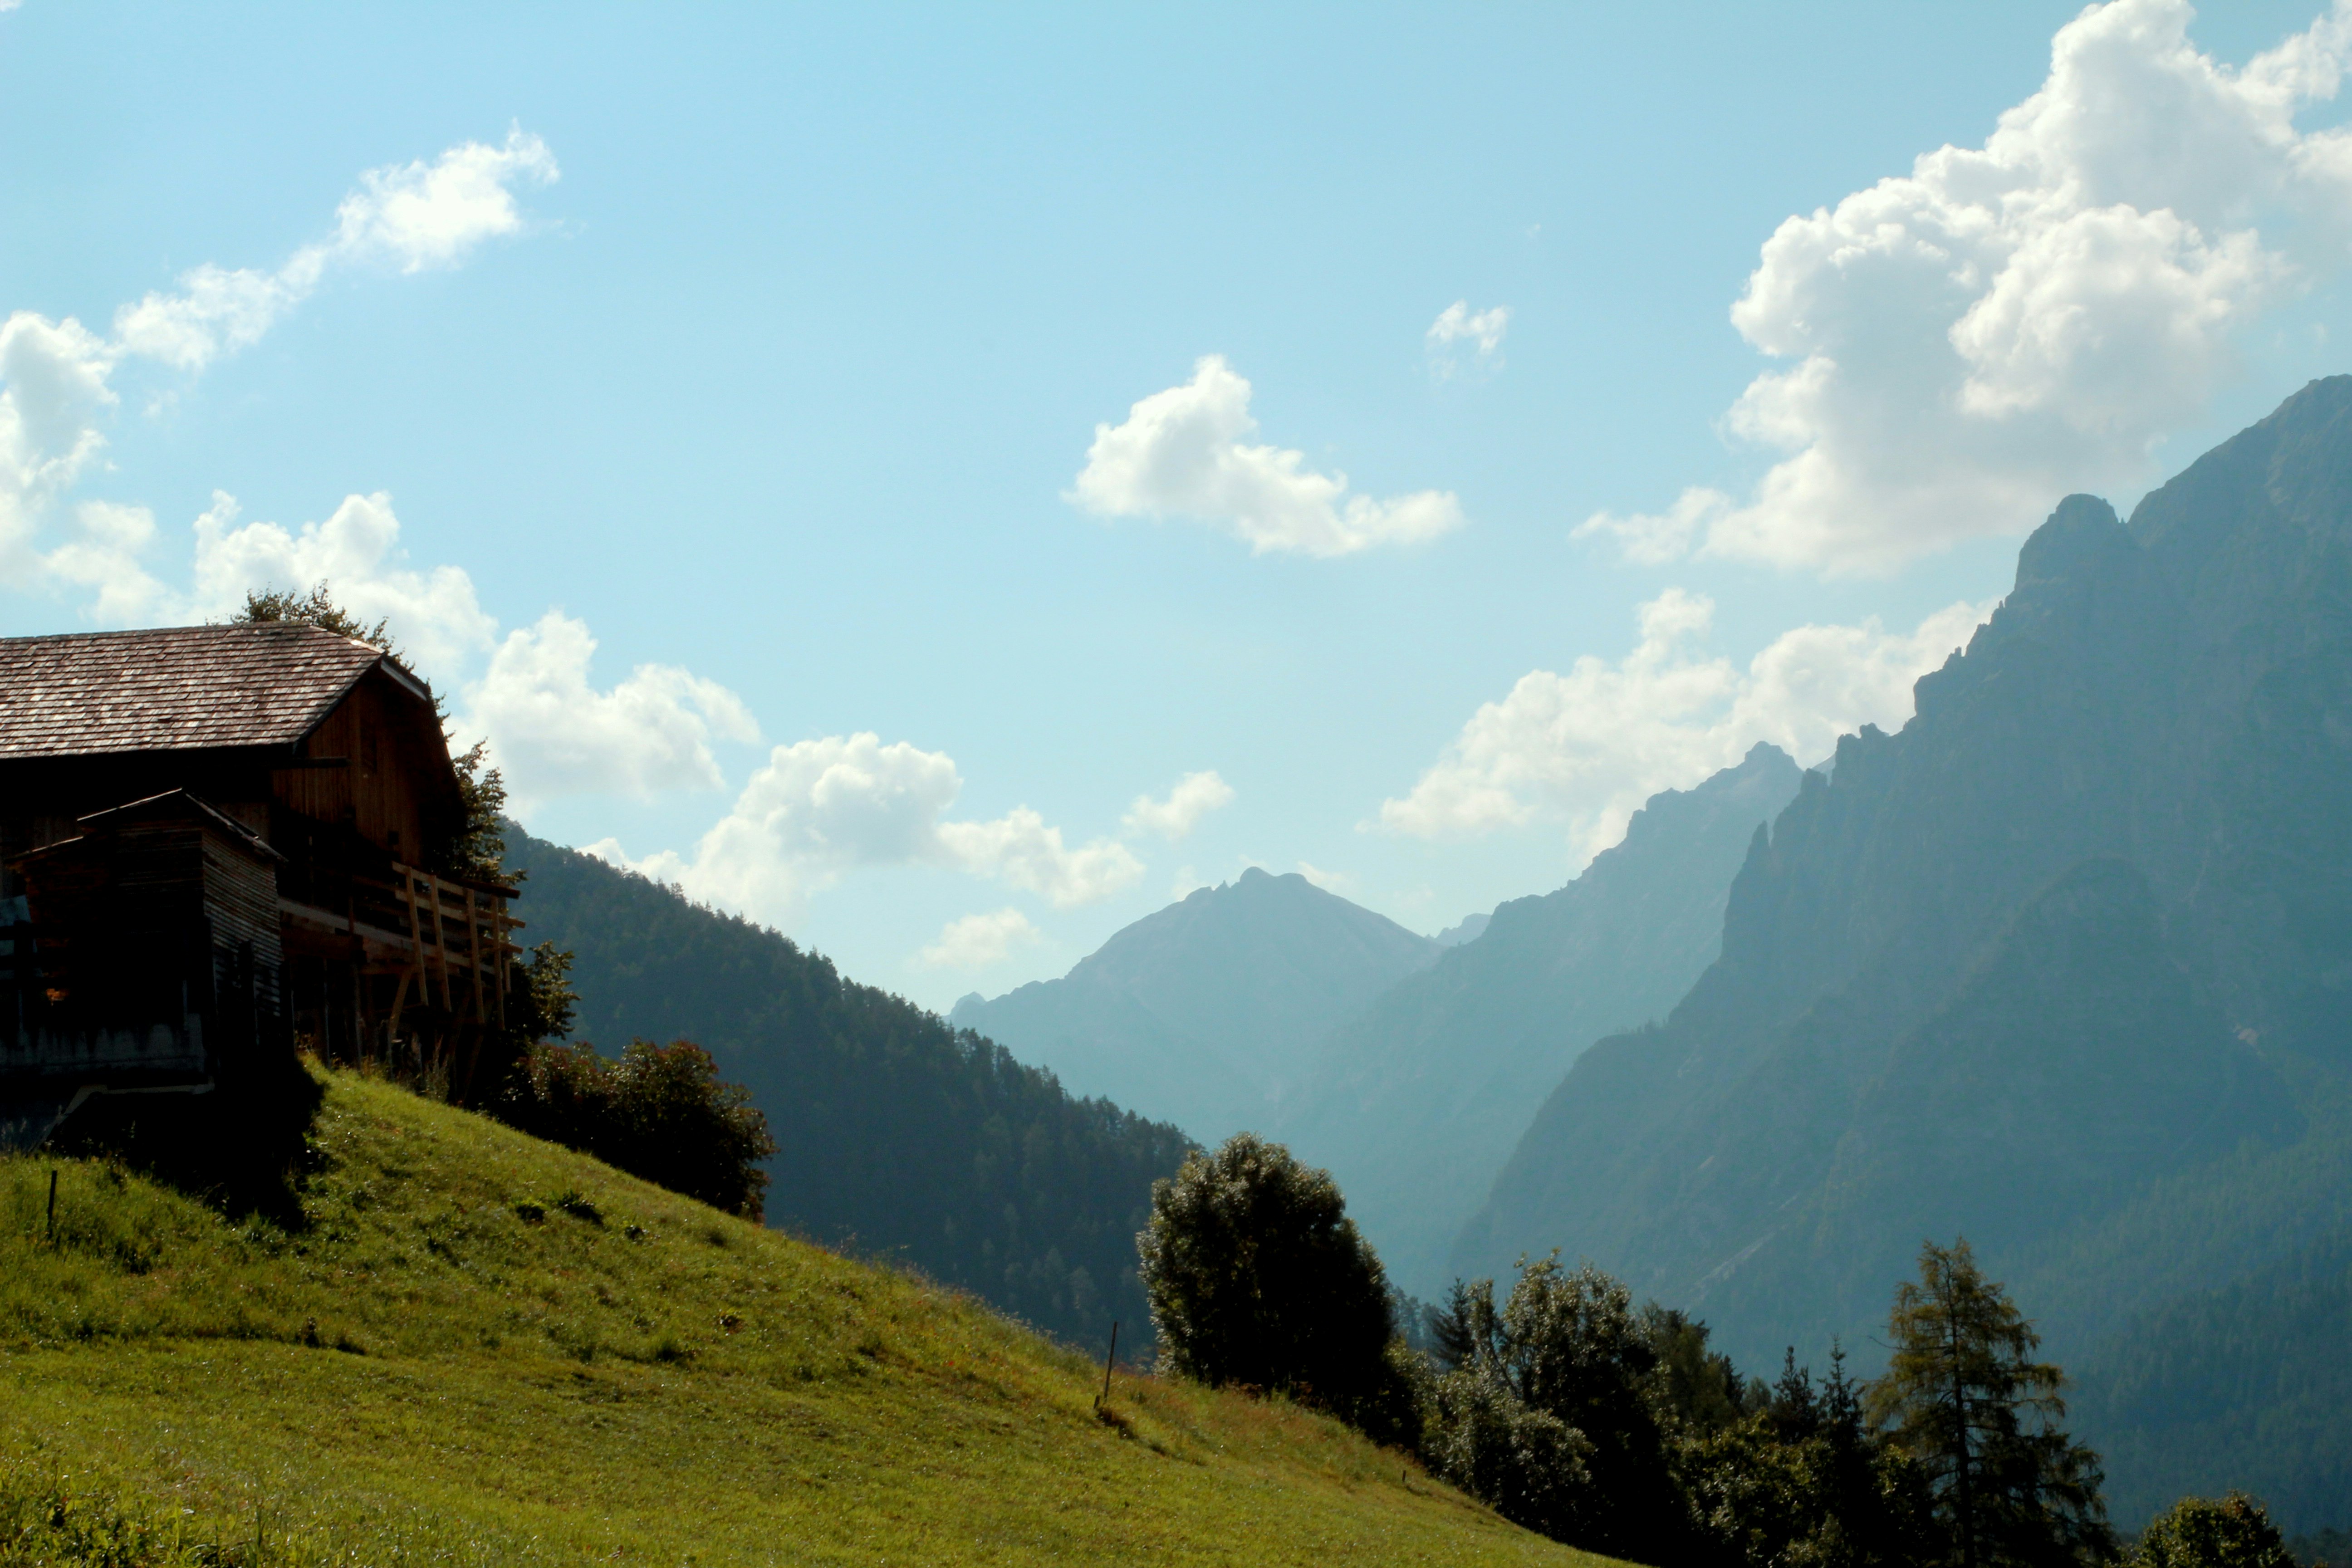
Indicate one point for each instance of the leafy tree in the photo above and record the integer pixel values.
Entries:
(1963, 1396)
(476, 851)
(315, 608)
(660, 1112)
(1529, 1465)
(1568, 1346)
(1257, 1276)
(2198, 1533)
(545, 1003)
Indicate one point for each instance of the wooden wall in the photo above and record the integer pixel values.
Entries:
(385, 789)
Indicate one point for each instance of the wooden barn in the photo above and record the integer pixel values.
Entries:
(220, 844)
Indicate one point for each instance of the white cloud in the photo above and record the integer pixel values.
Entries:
(55, 376)
(1458, 326)
(103, 555)
(53, 388)
(1181, 453)
(552, 732)
(1194, 796)
(1339, 882)
(819, 808)
(417, 215)
(407, 215)
(434, 614)
(1588, 747)
(2009, 324)
(1021, 850)
(980, 942)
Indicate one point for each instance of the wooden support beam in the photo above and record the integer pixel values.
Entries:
(441, 945)
(474, 946)
(499, 956)
(415, 941)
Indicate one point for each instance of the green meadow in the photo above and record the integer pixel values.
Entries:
(459, 1344)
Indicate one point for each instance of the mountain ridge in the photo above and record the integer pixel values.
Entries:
(2107, 867)
(1422, 1094)
(1206, 1012)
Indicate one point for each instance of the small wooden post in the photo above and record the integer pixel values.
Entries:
(1107, 1359)
(53, 1203)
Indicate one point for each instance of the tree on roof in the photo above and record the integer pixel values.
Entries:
(316, 609)
(477, 850)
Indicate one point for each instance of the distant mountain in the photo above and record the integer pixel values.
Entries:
(1209, 1012)
(2065, 966)
(1469, 929)
(1422, 1095)
(898, 1136)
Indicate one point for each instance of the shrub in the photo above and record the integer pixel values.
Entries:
(1257, 1277)
(660, 1112)
(2198, 1533)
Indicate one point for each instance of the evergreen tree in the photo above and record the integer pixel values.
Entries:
(1964, 1398)
(1802, 1482)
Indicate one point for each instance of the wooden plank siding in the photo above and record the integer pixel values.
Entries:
(293, 896)
(377, 791)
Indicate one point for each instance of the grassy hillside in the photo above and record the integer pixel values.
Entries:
(467, 1346)
(898, 1136)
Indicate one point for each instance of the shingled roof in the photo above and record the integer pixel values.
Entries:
(175, 689)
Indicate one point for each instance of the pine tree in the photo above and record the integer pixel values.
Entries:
(1963, 1396)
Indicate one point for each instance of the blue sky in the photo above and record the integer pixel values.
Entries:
(773, 351)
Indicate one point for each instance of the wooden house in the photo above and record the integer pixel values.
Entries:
(218, 843)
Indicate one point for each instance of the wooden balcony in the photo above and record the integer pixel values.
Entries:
(446, 944)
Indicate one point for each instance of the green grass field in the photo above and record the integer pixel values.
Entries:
(474, 1347)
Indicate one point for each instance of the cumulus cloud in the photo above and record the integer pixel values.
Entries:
(55, 376)
(1462, 337)
(1184, 452)
(434, 614)
(53, 390)
(1194, 796)
(819, 808)
(1588, 746)
(552, 732)
(103, 556)
(980, 942)
(1340, 882)
(2007, 324)
(409, 216)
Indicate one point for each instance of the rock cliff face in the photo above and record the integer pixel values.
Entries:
(1211, 1010)
(2073, 947)
(1422, 1095)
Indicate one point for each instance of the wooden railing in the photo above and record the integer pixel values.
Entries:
(458, 943)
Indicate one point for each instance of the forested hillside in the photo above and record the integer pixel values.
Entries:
(1209, 1013)
(897, 1136)
(1424, 1094)
(2065, 966)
